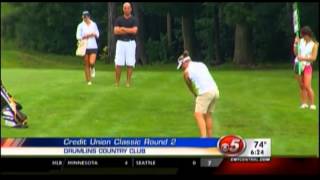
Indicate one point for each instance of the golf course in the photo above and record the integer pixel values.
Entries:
(254, 103)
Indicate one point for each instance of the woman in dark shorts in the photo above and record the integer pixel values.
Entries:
(88, 29)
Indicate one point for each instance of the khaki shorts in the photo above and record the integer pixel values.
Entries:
(205, 103)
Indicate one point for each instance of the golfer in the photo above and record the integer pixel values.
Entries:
(88, 30)
(308, 54)
(125, 29)
(206, 92)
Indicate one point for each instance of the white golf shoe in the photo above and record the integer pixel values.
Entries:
(313, 107)
(304, 106)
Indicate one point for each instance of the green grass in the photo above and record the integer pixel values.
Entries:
(254, 103)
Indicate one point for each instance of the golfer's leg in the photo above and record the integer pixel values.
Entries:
(200, 111)
(208, 116)
(87, 68)
(302, 89)
(208, 120)
(307, 82)
(201, 123)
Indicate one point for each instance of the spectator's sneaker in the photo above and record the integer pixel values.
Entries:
(313, 107)
(304, 106)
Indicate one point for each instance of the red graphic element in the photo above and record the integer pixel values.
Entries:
(12, 142)
(278, 165)
(231, 145)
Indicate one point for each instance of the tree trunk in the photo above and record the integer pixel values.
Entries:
(242, 49)
(169, 30)
(216, 36)
(169, 36)
(111, 38)
(290, 12)
(140, 50)
(188, 35)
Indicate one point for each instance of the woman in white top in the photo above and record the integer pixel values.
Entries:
(308, 50)
(88, 30)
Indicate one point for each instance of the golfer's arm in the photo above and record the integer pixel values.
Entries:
(189, 83)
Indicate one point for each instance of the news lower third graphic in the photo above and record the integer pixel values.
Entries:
(235, 147)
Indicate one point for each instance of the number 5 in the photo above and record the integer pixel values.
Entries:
(234, 145)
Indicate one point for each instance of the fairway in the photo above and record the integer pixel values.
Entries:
(252, 104)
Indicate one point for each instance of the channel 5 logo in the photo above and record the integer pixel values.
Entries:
(231, 145)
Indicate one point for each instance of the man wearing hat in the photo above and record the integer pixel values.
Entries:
(206, 91)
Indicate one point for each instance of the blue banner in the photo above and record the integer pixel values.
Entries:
(119, 142)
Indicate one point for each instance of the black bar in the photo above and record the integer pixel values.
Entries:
(153, 165)
(166, 162)
(11, 165)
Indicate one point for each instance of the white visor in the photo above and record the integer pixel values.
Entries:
(180, 61)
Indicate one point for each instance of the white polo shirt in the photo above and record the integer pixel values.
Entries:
(84, 29)
(201, 77)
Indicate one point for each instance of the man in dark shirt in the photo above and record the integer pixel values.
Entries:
(125, 30)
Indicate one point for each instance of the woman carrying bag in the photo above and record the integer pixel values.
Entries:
(87, 33)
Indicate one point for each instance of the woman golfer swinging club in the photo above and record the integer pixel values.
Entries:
(206, 91)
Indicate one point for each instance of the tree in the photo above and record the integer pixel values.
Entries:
(241, 16)
(187, 27)
(56, 25)
(242, 48)
(169, 31)
(272, 26)
(245, 32)
(140, 50)
(216, 31)
(111, 38)
(187, 32)
(158, 12)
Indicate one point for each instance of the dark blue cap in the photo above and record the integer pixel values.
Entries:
(85, 13)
